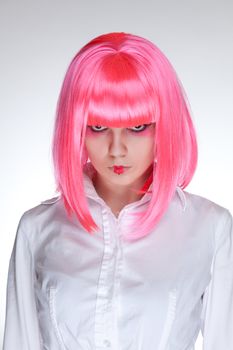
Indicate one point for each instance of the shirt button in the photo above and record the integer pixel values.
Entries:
(107, 343)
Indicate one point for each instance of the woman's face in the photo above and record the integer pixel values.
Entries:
(131, 147)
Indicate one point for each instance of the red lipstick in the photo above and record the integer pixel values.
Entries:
(118, 169)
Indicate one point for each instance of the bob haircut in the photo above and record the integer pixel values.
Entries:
(122, 80)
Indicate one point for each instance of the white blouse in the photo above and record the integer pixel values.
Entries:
(69, 290)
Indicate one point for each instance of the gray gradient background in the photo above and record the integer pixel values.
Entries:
(38, 40)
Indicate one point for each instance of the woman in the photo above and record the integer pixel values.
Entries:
(124, 257)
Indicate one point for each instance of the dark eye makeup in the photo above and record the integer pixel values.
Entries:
(135, 129)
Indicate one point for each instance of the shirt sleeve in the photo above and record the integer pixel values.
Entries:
(217, 318)
(21, 323)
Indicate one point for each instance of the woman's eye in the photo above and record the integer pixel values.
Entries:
(97, 128)
(139, 128)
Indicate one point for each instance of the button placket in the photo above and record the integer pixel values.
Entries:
(105, 289)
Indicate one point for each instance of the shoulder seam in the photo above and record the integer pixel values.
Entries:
(51, 200)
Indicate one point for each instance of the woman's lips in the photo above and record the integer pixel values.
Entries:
(119, 169)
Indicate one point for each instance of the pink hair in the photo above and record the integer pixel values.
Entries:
(122, 80)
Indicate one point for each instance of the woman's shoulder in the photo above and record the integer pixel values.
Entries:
(39, 212)
(43, 205)
(202, 205)
(51, 200)
(35, 219)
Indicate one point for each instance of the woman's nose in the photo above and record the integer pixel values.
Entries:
(117, 144)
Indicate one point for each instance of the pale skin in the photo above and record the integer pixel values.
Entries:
(133, 147)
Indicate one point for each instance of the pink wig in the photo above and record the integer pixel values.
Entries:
(122, 80)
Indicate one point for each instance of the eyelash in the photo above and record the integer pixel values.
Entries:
(134, 131)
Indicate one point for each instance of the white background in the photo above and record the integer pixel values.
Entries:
(39, 39)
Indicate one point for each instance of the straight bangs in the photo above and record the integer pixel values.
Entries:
(120, 95)
(123, 80)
